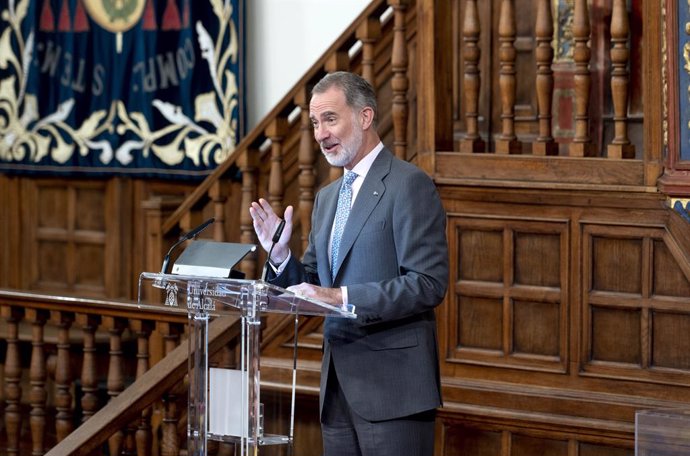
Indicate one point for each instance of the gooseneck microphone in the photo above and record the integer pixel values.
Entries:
(274, 240)
(192, 234)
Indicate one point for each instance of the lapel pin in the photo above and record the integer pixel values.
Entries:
(376, 193)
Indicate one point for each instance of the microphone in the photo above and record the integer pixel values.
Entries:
(276, 238)
(192, 234)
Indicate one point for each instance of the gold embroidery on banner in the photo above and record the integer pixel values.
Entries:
(686, 54)
(115, 15)
(207, 136)
(664, 74)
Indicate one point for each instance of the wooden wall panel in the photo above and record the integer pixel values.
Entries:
(76, 236)
(635, 311)
(670, 340)
(567, 313)
(498, 438)
(66, 234)
(667, 278)
(509, 305)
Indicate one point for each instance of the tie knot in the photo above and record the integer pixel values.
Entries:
(349, 178)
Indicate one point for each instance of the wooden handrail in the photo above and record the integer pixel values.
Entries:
(345, 41)
(90, 306)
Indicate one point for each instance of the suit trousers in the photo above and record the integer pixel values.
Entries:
(345, 433)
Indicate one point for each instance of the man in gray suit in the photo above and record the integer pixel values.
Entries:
(378, 241)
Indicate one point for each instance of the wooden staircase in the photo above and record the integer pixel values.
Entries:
(570, 273)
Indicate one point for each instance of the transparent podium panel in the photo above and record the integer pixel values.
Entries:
(662, 432)
(225, 404)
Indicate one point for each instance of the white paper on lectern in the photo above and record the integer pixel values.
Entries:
(227, 407)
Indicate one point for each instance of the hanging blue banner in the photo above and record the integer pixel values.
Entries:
(684, 78)
(126, 87)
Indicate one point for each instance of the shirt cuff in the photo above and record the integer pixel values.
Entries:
(279, 268)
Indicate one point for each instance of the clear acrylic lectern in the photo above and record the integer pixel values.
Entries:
(208, 297)
(662, 432)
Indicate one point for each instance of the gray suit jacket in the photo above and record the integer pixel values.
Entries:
(394, 261)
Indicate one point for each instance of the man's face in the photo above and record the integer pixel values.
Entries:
(337, 127)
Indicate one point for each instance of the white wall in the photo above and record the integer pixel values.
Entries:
(284, 38)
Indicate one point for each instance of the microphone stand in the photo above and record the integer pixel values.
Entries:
(192, 234)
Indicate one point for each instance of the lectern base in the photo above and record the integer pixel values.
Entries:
(268, 439)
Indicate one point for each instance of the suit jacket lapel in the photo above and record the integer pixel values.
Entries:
(328, 201)
(369, 195)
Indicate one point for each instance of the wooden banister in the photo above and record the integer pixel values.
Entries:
(129, 405)
(257, 136)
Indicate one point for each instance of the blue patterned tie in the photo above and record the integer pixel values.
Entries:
(341, 215)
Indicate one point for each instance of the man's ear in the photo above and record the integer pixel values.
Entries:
(367, 117)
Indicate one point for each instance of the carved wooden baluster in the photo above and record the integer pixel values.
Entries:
(544, 144)
(129, 445)
(507, 142)
(307, 171)
(189, 220)
(471, 29)
(13, 377)
(620, 147)
(248, 164)
(115, 381)
(37, 379)
(89, 382)
(218, 193)
(170, 442)
(400, 82)
(276, 131)
(368, 33)
(156, 211)
(338, 61)
(581, 145)
(142, 329)
(63, 375)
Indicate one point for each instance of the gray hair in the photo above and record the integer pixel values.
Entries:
(359, 94)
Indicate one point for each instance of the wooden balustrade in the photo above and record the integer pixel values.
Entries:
(544, 143)
(581, 145)
(369, 32)
(471, 30)
(105, 328)
(89, 380)
(400, 82)
(142, 330)
(477, 78)
(248, 164)
(307, 159)
(620, 147)
(276, 132)
(507, 142)
(38, 396)
(13, 376)
(63, 375)
(115, 379)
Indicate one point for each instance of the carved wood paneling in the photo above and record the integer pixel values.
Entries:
(568, 311)
(488, 437)
(509, 304)
(635, 313)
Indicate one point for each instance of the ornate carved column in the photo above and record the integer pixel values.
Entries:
(471, 30)
(620, 147)
(544, 144)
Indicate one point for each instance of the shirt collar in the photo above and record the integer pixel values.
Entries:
(362, 168)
